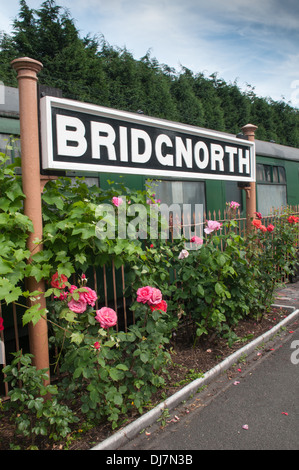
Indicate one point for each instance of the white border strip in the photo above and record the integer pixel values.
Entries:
(129, 432)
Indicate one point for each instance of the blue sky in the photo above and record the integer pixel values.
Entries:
(254, 42)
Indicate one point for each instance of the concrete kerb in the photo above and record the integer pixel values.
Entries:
(126, 434)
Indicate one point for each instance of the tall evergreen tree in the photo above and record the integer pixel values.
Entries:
(189, 106)
(207, 93)
(89, 69)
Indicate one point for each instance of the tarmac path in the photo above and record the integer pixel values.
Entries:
(261, 412)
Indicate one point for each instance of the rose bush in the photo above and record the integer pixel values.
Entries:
(113, 371)
(272, 253)
(211, 284)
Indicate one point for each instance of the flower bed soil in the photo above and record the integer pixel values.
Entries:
(188, 361)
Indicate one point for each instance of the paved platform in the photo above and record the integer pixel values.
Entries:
(261, 412)
(254, 406)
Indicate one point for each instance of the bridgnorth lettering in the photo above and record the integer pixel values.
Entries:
(100, 139)
(176, 152)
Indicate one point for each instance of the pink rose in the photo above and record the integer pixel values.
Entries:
(77, 306)
(89, 296)
(183, 254)
(149, 295)
(72, 288)
(117, 201)
(144, 294)
(234, 205)
(156, 297)
(106, 317)
(97, 345)
(197, 240)
(212, 226)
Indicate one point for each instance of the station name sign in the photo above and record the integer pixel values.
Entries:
(84, 137)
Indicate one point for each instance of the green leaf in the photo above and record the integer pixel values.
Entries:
(115, 374)
(5, 267)
(221, 259)
(77, 337)
(14, 192)
(200, 290)
(78, 372)
(85, 408)
(33, 314)
(219, 289)
(118, 399)
(14, 295)
(87, 231)
(122, 367)
(144, 357)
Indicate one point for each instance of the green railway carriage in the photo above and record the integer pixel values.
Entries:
(277, 172)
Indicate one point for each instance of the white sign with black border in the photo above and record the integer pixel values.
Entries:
(80, 136)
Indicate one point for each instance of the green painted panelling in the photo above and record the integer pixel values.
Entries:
(215, 195)
(9, 126)
(271, 161)
(292, 175)
(131, 181)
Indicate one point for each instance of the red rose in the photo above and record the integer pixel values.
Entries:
(161, 306)
(256, 223)
(293, 219)
(57, 281)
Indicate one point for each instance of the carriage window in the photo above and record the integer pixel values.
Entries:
(282, 174)
(189, 195)
(260, 172)
(180, 192)
(275, 174)
(267, 173)
(270, 174)
(271, 188)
